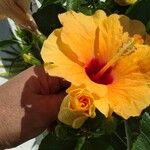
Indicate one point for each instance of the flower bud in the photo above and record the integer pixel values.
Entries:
(125, 2)
(29, 58)
(76, 107)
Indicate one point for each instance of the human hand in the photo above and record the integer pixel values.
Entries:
(29, 103)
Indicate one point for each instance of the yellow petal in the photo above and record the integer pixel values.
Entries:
(130, 92)
(57, 64)
(64, 48)
(113, 32)
(143, 59)
(79, 33)
(129, 97)
(109, 37)
(147, 39)
(103, 106)
(71, 118)
(99, 16)
(132, 26)
(138, 62)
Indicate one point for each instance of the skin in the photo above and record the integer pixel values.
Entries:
(29, 104)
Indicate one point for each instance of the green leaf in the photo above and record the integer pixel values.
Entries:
(8, 52)
(52, 142)
(73, 4)
(48, 2)
(100, 143)
(10, 66)
(109, 125)
(86, 10)
(109, 6)
(65, 132)
(47, 18)
(140, 11)
(6, 43)
(148, 26)
(8, 59)
(93, 124)
(143, 140)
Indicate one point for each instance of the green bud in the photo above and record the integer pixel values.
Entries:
(29, 58)
(125, 2)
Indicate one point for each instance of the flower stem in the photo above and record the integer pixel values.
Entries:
(116, 134)
(80, 143)
(128, 134)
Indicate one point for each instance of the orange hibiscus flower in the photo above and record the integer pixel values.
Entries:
(106, 54)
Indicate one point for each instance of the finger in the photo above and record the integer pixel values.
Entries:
(48, 84)
(49, 106)
(57, 85)
(42, 79)
(53, 84)
(64, 84)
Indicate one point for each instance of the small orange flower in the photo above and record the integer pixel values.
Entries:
(76, 107)
(106, 54)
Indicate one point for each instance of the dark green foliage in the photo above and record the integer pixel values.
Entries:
(140, 11)
(47, 18)
(98, 133)
(52, 142)
(143, 140)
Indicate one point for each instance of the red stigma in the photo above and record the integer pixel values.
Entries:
(94, 67)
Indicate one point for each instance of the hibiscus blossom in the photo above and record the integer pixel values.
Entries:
(106, 54)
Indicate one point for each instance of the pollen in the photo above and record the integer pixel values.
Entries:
(126, 49)
(138, 39)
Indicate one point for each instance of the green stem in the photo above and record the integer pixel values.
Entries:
(116, 134)
(128, 134)
(80, 143)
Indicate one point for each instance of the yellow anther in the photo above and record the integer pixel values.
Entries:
(126, 49)
(138, 39)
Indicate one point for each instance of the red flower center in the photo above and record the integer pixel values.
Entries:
(94, 67)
